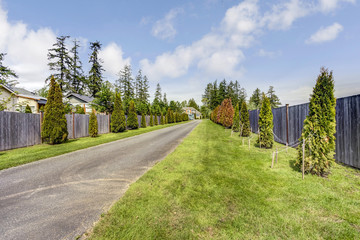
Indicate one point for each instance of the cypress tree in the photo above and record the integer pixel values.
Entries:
(132, 121)
(118, 116)
(156, 120)
(28, 109)
(166, 119)
(143, 121)
(319, 127)
(266, 138)
(54, 128)
(151, 120)
(161, 119)
(93, 124)
(244, 120)
(236, 120)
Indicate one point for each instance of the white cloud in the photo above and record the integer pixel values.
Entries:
(269, 54)
(26, 51)
(112, 55)
(325, 34)
(164, 28)
(330, 5)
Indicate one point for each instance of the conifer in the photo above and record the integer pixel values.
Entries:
(143, 121)
(244, 120)
(54, 127)
(319, 128)
(236, 120)
(93, 124)
(156, 120)
(161, 119)
(118, 123)
(151, 120)
(266, 138)
(28, 109)
(132, 121)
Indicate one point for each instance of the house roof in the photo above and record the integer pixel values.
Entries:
(21, 92)
(84, 98)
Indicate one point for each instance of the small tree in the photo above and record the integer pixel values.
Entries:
(244, 120)
(236, 120)
(93, 124)
(319, 127)
(143, 121)
(166, 119)
(28, 109)
(227, 111)
(132, 121)
(151, 120)
(118, 116)
(156, 120)
(266, 138)
(54, 127)
(161, 119)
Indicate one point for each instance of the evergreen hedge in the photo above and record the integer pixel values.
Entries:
(236, 120)
(151, 120)
(132, 121)
(118, 123)
(143, 121)
(156, 120)
(54, 127)
(161, 119)
(266, 137)
(93, 124)
(244, 120)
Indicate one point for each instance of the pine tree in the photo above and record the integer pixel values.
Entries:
(156, 122)
(60, 62)
(54, 127)
(236, 120)
(143, 121)
(244, 120)
(266, 138)
(255, 98)
(274, 100)
(93, 124)
(104, 99)
(78, 80)
(6, 73)
(126, 84)
(319, 127)
(118, 123)
(132, 121)
(161, 119)
(157, 99)
(151, 120)
(95, 73)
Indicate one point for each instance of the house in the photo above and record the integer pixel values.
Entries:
(19, 98)
(81, 100)
(191, 112)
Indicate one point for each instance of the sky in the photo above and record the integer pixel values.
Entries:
(184, 45)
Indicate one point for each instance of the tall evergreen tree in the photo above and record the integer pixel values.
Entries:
(319, 127)
(156, 122)
(244, 120)
(222, 90)
(93, 124)
(78, 80)
(255, 98)
(118, 123)
(95, 73)
(165, 102)
(126, 84)
(266, 138)
(274, 99)
(104, 99)
(236, 120)
(192, 103)
(60, 62)
(151, 120)
(6, 74)
(132, 121)
(157, 99)
(162, 119)
(143, 121)
(54, 127)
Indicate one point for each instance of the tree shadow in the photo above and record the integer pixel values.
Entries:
(292, 164)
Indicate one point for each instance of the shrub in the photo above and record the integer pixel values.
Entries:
(227, 113)
(118, 123)
(151, 120)
(319, 128)
(236, 120)
(93, 124)
(156, 120)
(195, 116)
(170, 116)
(161, 119)
(166, 119)
(143, 121)
(132, 121)
(79, 109)
(244, 120)
(54, 128)
(266, 137)
(28, 109)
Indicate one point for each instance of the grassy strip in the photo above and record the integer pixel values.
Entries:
(212, 186)
(16, 157)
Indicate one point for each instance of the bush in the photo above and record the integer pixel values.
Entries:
(156, 120)
(236, 120)
(132, 121)
(28, 109)
(170, 116)
(161, 119)
(54, 128)
(143, 121)
(166, 119)
(93, 124)
(244, 120)
(79, 109)
(151, 120)
(266, 137)
(118, 123)
(319, 128)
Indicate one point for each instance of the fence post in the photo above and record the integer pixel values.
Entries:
(303, 158)
(73, 123)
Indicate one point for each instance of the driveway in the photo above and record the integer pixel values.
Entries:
(62, 197)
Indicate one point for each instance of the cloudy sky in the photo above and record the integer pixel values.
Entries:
(186, 44)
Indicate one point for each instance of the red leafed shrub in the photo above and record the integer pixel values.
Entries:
(223, 114)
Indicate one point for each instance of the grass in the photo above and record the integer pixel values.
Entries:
(212, 187)
(16, 157)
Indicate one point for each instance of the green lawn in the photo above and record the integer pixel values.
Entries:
(213, 187)
(15, 157)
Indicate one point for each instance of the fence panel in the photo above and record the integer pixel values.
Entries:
(279, 117)
(297, 115)
(81, 125)
(254, 120)
(103, 123)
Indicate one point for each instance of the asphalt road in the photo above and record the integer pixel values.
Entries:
(62, 197)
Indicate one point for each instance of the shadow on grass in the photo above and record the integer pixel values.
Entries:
(293, 166)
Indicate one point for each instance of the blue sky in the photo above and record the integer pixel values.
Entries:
(184, 45)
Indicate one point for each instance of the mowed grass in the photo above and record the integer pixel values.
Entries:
(212, 187)
(16, 157)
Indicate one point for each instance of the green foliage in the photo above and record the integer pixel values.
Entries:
(118, 123)
(255, 99)
(244, 120)
(93, 124)
(6, 73)
(170, 116)
(192, 103)
(78, 81)
(28, 109)
(319, 128)
(54, 127)
(266, 137)
(274, 99)
(103, 101)
(151, 120)
(132, 121)
(162, 120)
(95, 73)
(143, 120)
(195, 116)
(166, 119)
(156, 122)
(79, 109)
(236, 120)
(126, 84)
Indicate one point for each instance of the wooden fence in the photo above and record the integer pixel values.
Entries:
(24, 129)
(288, 125)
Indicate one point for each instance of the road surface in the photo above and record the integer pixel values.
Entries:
(62, 197)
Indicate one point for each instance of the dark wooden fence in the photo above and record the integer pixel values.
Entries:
(288, 125)
(24, 129)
